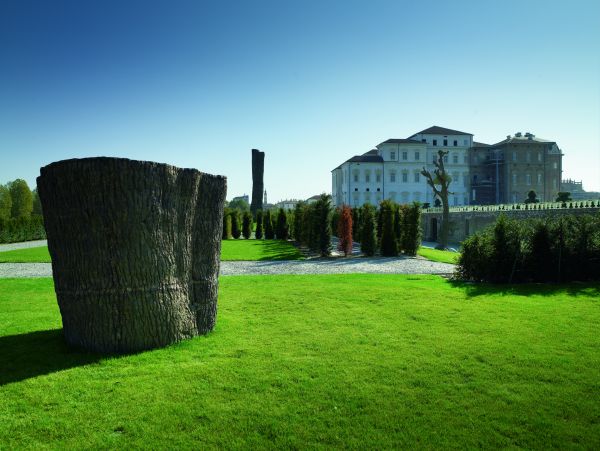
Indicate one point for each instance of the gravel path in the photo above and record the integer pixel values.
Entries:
(24, 245)
(389, 265)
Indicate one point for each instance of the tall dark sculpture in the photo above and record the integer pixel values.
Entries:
(258, 172)
(135, 249)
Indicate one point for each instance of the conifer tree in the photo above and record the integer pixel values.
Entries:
(388, 243)
(259, 225)
(298, 230)
(368, 242)
(227, 224)
(268, 226)
(247, 225)
(236, 230)
(282, 229)
(345, 230)
(323, 223)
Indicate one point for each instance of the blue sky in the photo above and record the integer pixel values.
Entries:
(199, 84)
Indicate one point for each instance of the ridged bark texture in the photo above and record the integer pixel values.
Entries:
(258, 186)
(135, 249)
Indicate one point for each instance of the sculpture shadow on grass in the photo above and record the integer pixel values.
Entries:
(38, 353)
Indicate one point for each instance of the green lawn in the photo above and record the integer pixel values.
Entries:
(29, 255)
(230, 250)
(258, 250)
(359, 361)
(438, 256)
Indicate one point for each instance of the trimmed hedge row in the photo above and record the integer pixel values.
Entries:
(538, 250)
(22, 229)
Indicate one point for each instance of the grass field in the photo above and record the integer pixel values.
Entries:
(439, 256)
(29, 255)
(258, 250)
(363, 361)
(230, 250)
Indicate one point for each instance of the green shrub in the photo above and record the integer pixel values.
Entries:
(551, 250)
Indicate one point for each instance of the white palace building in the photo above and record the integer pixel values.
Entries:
(393, 170)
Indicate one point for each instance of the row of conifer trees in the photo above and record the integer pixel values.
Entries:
(268, 225)
(388, 230)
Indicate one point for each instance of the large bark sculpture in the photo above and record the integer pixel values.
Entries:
(135, 249)
(258, 186)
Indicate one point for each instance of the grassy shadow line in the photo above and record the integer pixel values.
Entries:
(474, 289)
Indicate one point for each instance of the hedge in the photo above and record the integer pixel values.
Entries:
(22, 229)
(538, 250)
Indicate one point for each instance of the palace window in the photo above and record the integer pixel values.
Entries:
(404, 177)
(405, 156)
(445, 142)
(392, 155)
(393, 176)
(455, 143)
(539, 178)
(417, 177)
(435, 142)
(455, 158)
(417, 156)
(367, 176)
(528, 179)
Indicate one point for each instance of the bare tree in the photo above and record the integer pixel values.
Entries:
(442, 179)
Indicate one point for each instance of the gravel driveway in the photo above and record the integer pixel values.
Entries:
(387, 265)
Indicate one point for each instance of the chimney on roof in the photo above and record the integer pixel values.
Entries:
(507, 136)
(518, 135)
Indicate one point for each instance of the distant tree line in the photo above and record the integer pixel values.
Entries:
(20, 213)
